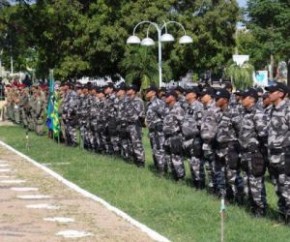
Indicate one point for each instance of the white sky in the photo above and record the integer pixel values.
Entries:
(242, 3)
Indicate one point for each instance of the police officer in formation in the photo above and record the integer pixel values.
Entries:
(229, 139)
(26, 106)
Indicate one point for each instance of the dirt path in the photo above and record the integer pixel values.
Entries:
(20, 222)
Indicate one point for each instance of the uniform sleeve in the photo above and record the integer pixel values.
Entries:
(260, 124)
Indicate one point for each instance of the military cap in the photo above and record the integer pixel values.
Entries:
(171, 93)
(121, 86)
(222, 93)
(132, 87)
(179, 89)
(99, 89)
(110, 85)
(209, 91)
(152, 88)
(277, 86)
(192, 90)
(250, 92)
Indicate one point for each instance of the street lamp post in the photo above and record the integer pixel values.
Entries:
(134, 39)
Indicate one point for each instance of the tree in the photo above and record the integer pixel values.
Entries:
(269, 22)
(88, 37)
(140, 64)
(241, 75)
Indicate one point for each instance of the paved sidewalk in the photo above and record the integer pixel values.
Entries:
(26, 218)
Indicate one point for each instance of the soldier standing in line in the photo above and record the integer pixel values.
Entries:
(172, 128)
(181, 98)
(135, 116)
(126, 149)
(207, 131)
(90, 99)
(101, 122)
(32, 104)
(70, 116)
(227, 147)
(192, 143)
(83, 115)
(39, 110)
(110, 106)
(155, 113)
(16, 107)
(279, 146)
(252, 137)
(267, 105)
(24, 99)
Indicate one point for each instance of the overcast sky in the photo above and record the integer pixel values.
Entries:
(242, 3)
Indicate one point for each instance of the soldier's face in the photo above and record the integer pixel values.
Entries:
(169, 99)
(221, 102)
(247, 102)
(266, 101)
(130, 92)
(190, 96)
(205, 99)
(149, 95)
(274, 96)
(108, 90)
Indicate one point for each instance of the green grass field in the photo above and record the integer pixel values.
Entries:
(175, 210)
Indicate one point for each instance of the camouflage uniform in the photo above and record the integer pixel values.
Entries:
(252, 132)
(82, 111)
(24, 100)
(69, 117)
(192, 142)
(134, 114)
(111, 132)
(279, 158)
(173, 139)
(154, 117)
(101, 124)
(227, 155)
(125, 148)
(16, 107)
(39, 113)
(32, 107)
(207, 132)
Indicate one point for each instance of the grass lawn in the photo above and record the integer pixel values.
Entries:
(175, 210)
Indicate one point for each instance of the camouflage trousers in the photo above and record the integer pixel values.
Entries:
(254, 186)
(228, 179)
(209, 165)
(281, 181)
(84, 134)
(135, 136)
(71, 134)
(157, 141)
(39, 126)
(115, 141)
(126, 148)
(176, 161)
(24, 117)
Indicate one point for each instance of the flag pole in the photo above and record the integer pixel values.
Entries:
(222, 212)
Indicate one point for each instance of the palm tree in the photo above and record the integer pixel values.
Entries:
(141, 63)
(241, 75)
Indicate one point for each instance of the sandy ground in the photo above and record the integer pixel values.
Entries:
(19, 223)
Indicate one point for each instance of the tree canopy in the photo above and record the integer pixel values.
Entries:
(88, 37)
